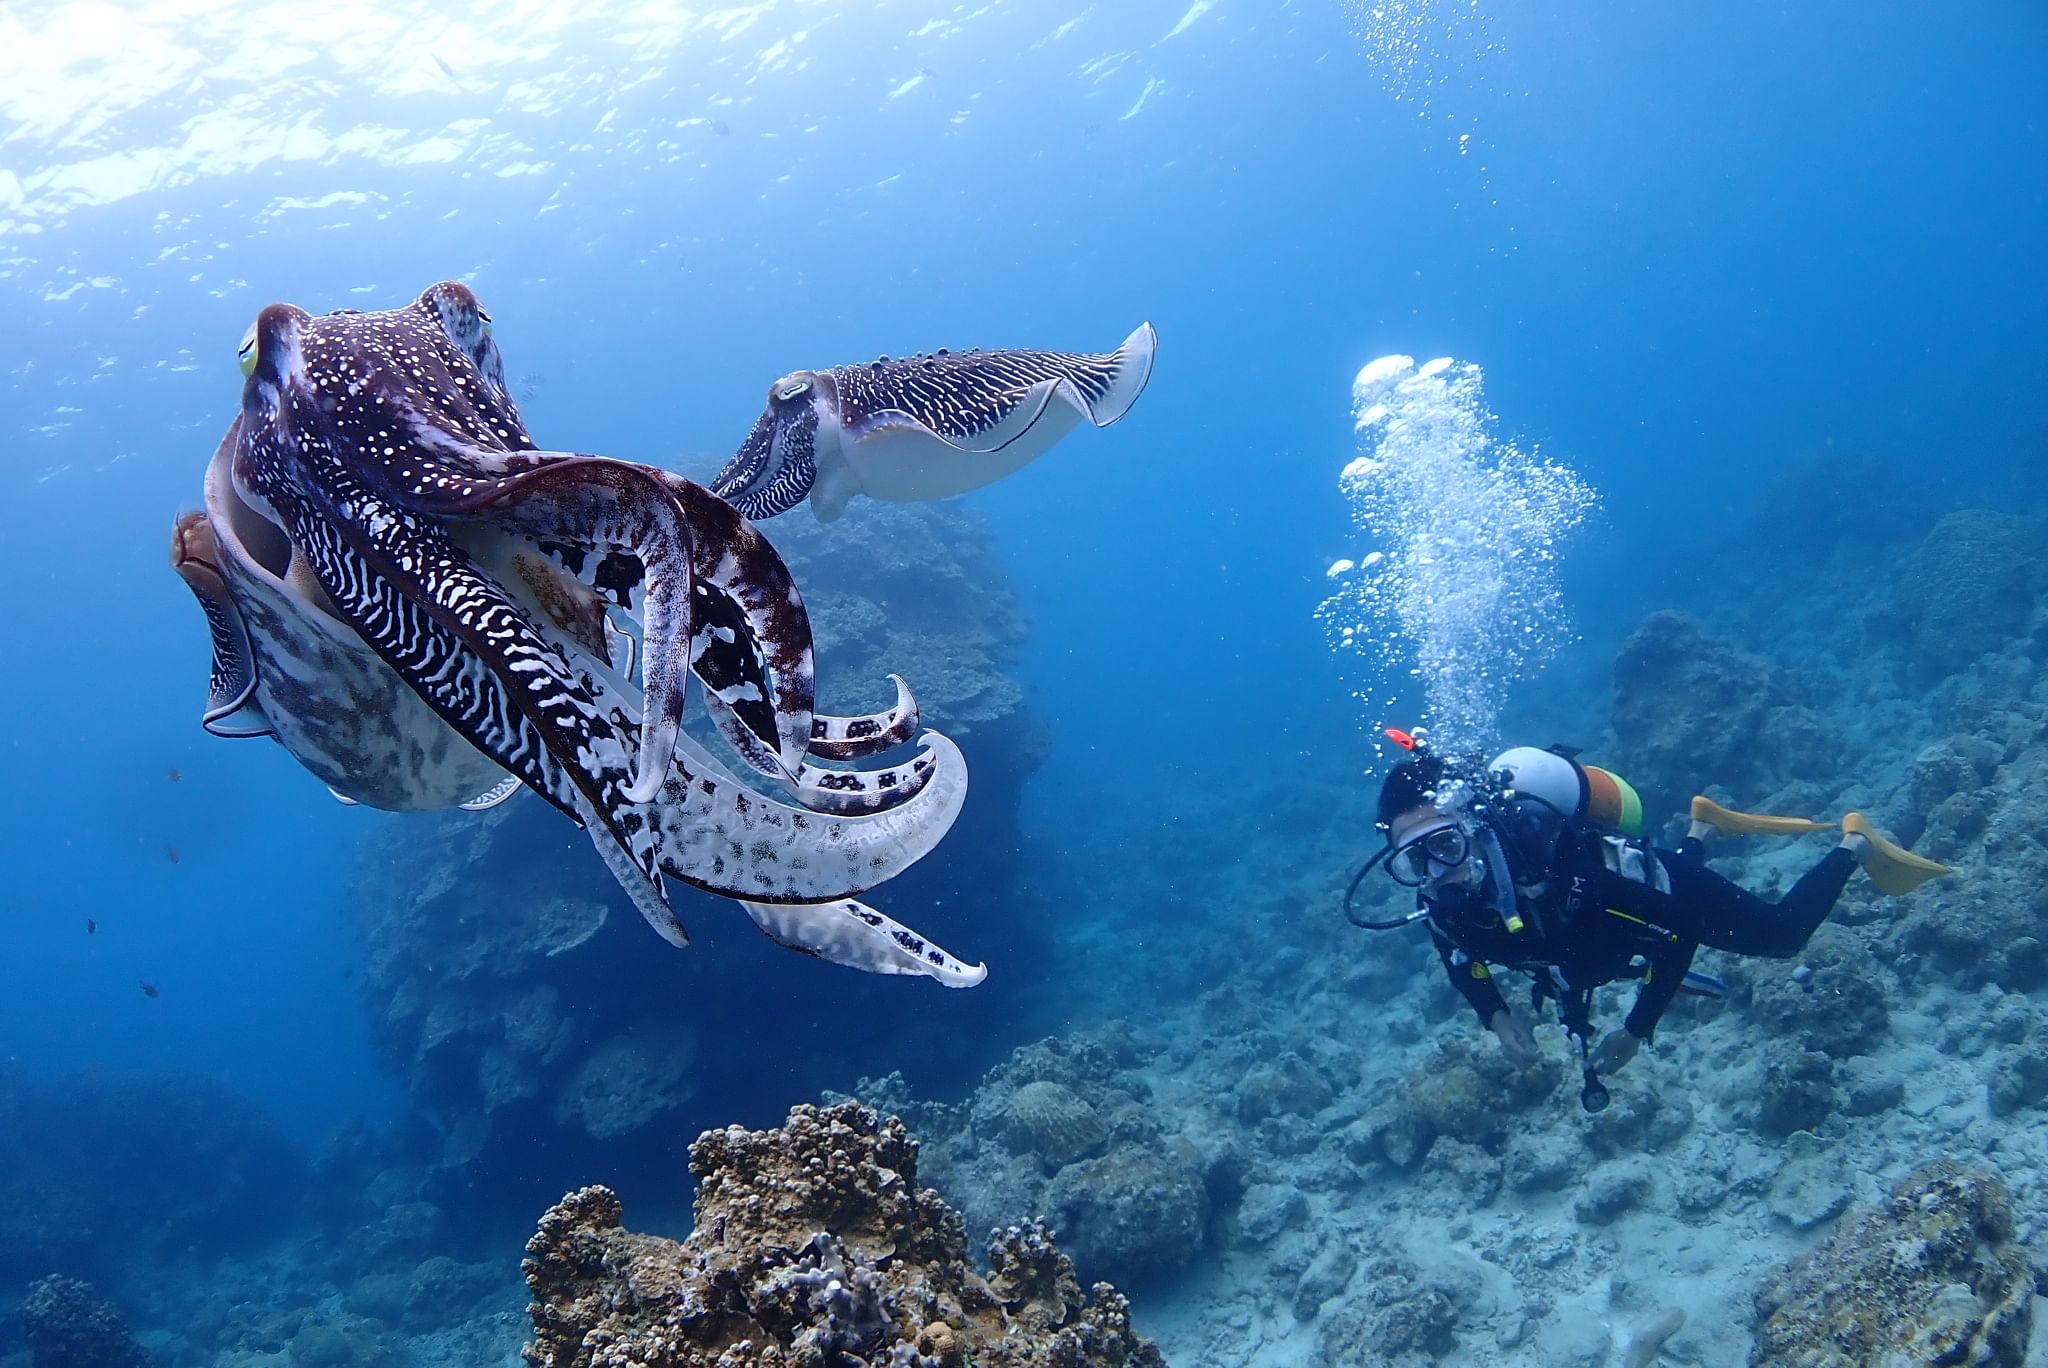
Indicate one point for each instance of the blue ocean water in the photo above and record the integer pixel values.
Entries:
(1692, 251)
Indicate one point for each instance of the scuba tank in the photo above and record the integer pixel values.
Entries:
(1582, 793)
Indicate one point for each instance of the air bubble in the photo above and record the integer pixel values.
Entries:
(1465, 598)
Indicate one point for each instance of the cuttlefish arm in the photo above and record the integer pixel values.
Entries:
(713, 831)
(850, 738)
(578, 617)
(855, 935)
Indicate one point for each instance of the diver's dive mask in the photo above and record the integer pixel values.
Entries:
(1431, 857)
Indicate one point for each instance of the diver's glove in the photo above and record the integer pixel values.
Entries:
(1615, 1049)
(1517, 1041)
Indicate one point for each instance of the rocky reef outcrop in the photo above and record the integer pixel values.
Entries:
(1066, 1130)
(1693, 709)
(813, 1245)
(1935, 1276)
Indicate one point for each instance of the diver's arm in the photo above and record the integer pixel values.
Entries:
(1661, 981)
(1471, 978)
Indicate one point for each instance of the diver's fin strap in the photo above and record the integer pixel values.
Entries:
(1729, 822)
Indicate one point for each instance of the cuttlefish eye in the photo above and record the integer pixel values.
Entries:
(246, 354)
(791, 388)
(484, 319)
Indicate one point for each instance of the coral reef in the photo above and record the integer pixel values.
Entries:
(1838, 1007)
(71, 1326)
(813, 1245)
(1932, 1277)
(1053, 1122)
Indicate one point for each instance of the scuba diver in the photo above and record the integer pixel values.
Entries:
(1534, 863)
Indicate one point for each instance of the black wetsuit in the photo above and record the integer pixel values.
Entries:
(1588, 922)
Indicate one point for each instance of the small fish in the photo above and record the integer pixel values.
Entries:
(149, 991)
(91, 926)
(721, 128)
(173, 775)
(446, 70)
(171, 853)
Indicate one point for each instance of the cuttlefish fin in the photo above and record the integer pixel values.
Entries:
(1132, 372)
(1042, 396)
(494, 795)
(855, 935)
(232, 709)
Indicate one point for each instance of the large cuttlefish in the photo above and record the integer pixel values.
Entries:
(924, 427)
(424, 609)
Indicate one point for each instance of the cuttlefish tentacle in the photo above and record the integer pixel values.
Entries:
(750, 643)
(466, 649)
(924, 427)
(628, 512)
(854, 934)
(850, 738)
(777, 464)
(492, 796)
(843, 790)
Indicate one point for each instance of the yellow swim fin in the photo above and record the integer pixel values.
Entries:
(1892, 868)
(1729, 822)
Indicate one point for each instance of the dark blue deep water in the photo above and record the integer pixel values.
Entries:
(1736, 267)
